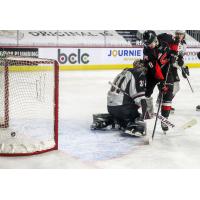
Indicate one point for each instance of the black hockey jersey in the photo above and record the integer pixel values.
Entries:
(176, 47)
(130, 81)
(174, 44)
(157, 60)
(170, 41)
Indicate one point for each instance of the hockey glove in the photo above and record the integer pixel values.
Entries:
(163, 87)
(172, 57)
(185, 71)
(180, 61)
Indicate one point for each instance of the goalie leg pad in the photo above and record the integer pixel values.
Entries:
(101, 121)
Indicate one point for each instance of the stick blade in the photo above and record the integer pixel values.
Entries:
(189, 124)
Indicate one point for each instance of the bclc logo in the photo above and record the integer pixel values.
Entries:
(73, 58)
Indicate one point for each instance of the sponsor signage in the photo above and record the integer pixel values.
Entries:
(125, 52)
(93, 58)
(191, 55)
(32, 52)
(85, 56)
(76, 57)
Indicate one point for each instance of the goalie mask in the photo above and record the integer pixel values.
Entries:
(139, 64)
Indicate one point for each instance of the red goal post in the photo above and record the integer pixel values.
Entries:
(28, 105)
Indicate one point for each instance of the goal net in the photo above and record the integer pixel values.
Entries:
(28, 105)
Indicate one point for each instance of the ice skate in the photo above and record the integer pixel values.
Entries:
(164, 127)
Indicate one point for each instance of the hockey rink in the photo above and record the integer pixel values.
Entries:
(83, 93)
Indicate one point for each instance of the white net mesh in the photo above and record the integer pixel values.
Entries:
(27, 105)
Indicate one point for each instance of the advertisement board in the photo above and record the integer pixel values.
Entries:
(191, 58)
(92, 58)
(31, 52)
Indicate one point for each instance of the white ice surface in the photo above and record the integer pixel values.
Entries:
(83, 93)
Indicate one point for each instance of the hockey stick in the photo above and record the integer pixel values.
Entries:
(157, 114)
(187, 80)
(178, 131)
(189, 124)
(186, 125)
(160, 103)
(165, 121)
(189, 84)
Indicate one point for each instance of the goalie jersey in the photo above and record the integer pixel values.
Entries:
(128, 88)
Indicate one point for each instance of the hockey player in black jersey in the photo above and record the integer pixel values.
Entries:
(177, 45)
(159, 58)
(126, 95)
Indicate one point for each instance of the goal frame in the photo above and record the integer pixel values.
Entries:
(5, 124)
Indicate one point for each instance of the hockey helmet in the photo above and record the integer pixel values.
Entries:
(180, 34)
(149, 37)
